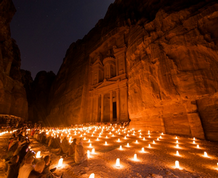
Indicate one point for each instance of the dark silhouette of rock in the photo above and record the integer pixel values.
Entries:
(12, 93)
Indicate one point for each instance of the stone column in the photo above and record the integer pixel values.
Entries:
(111, 106)
(96, 108)
(118, 105)
(102, 107)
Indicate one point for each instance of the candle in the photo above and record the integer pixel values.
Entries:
(92, 175)
(136, 141)
(149, 145)
(177, 146)
(153, 142)
(143, 150)
(177, 153)
(205, 154)
(88, 153)
(60, 162)
(93, 150)
(105, 143)
(118, 162)
(127, 145)
(197, 146)
(118, 140)
(135, 157)
(143, 138)
(177, 164)
(121, 147)
(38, 154)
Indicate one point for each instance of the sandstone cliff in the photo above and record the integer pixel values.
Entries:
(37, 94)
(12, 93)
(171, 53)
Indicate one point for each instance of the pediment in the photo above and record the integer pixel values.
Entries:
(98, 62)
(105, 83)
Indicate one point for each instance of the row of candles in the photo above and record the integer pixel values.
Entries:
(110, 131)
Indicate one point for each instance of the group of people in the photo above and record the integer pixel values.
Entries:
(21, 161)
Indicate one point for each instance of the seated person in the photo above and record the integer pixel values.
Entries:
(13, 167)
(47, 170)
(37, 171)
(27, 167)
(80, 155)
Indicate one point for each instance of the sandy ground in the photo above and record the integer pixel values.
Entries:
(157, 161)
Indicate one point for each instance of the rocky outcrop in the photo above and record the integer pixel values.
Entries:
(12, 93)
(37, 94)
(171, 54)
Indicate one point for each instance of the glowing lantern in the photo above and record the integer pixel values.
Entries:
(136, 141)
(135, 157)
(177, 153)
(127, 145)
(177, 164)
(90, 145)
(106, 136)
(105, 143)
(113, 135)
(88, 153)
(193, 138)
(92, 135)
(93, 150)
(143, 150)
(140, 136)
(153, 142)
(149, 136)
(160, 137)
(177, 141)
(125, 137)
(97, 139)
(176, 137)
(157, 139)
(149, 145)
(84, 138)
(38, 154)
(177, 146)
(197, 146)
(89, 141)
(118, 140)
(193, 142)
(118, 162)
(205, 154)
(121, 147)
(60, 162)
(162, 133)
(92, 175)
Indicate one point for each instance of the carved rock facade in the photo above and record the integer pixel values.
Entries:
(155, 63)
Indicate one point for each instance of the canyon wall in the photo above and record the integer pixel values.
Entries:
(171, 58)
(12, 93)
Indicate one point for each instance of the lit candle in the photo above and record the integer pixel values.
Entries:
(60, 162)
(135, 157)
(97, 139)
(177, 146)
(38, 154)
(93, 150)
(177, 164)
(197, 146)
(153, 142)
(205, 154)
(127, 145)
(118, 162)
(193, 138)
(90, 145)
(149, 136)
(105, 143)
(121, 147)
(176, 137)
(177, 153)
(136, 141)
(157, 139)
(162, 133)
(143, 150)
(125, 137)
(140, 136)
(84, 138)
(88, 153)
(177, 141)
(149, 145)
(118, 140)
(160, 137)
(143, 138)
(193, 142)
(106, 136)
(92, 175)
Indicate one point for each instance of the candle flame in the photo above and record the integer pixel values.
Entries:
(118, 162)
(177, 164)
(60, 162)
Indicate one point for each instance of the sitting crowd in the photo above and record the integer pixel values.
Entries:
(21, 161)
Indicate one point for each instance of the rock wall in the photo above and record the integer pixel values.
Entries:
(171, 63)
(12, 93)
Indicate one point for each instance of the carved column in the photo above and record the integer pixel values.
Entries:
(96, 108)
(102, 107)
(118, 105)
(111, 106)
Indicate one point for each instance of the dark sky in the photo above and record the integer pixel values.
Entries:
(44, 29)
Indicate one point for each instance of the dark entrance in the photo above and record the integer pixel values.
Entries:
(114, 111)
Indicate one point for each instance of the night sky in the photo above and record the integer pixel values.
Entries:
(44, 29)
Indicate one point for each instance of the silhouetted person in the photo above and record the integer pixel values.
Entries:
(13, 168)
